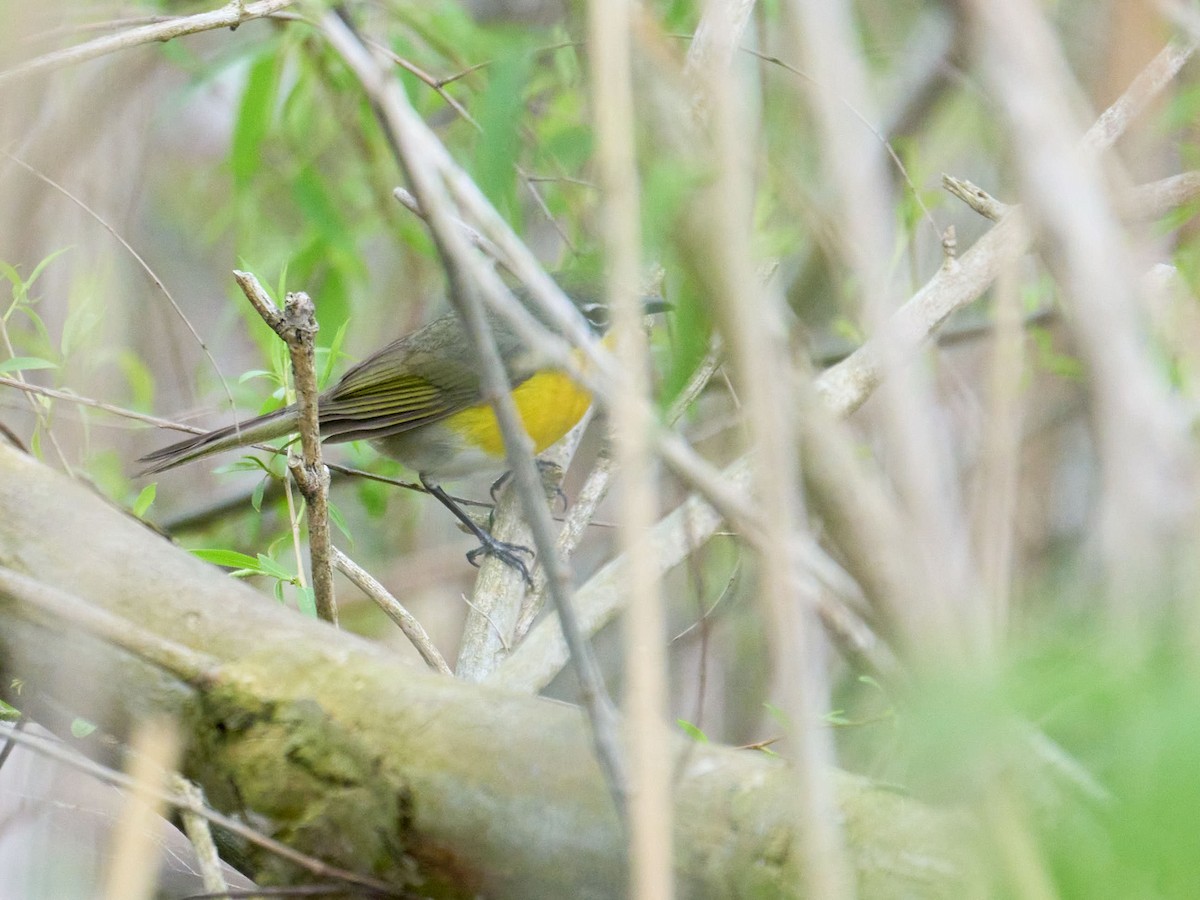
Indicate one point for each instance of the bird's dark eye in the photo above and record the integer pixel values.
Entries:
(596, 314)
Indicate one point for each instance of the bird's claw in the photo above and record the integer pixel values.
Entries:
(507, 553)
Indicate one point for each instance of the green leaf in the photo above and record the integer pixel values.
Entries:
(23, 363)
(257, 373)
(84, 321)
(339, 522)
(776, 713)
(144, 499)
(268, 566)
(692, 731)
(869, 680)
(25, 284)
(256, 498)
(255, 116)
(322, 212)
(81, 728)
(229, 558)
(331, 354)
(500, 110)
(12, 276)
(139, 378)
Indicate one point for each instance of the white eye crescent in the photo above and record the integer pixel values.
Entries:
(596, 313)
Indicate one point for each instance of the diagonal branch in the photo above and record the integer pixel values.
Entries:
(231, 15)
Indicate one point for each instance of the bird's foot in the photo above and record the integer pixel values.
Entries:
(507, 553)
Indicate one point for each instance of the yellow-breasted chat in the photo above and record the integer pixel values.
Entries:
(419, 400)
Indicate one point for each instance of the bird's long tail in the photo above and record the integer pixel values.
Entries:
(263, 428)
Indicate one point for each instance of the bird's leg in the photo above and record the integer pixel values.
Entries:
(507, 553)
(546, 468)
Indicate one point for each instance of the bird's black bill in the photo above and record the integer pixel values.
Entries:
(652, 306)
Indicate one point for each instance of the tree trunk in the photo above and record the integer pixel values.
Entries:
(454, 789)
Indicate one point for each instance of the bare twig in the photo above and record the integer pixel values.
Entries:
(410, 203)
(296, 326)
(310, 472)
(496, 596)
(976, 198)
(395, 610)
(229, 16)
(846, 385)
(1135, 99)
(112, 408)
(198, 832)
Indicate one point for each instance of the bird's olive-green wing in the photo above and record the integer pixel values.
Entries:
(419, 379)
(391, 404)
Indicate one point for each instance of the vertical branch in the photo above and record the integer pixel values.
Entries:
(497, 596)
(751, 318)
(297, 327)
(309, 471)
(651, 863)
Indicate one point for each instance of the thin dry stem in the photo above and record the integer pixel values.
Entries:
(395, 611)
(645, 699)
(198, 832)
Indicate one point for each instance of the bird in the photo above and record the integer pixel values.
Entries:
(419, 400)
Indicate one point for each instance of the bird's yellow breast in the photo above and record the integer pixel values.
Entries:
(549, 403)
